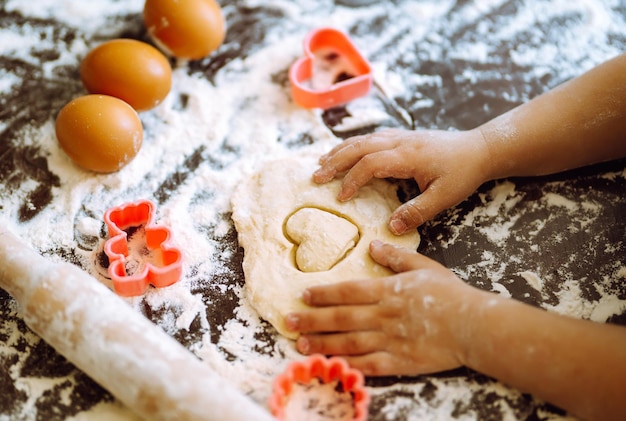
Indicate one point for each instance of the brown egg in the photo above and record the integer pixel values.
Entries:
(100, 133)
(189, 29)
(131, 70)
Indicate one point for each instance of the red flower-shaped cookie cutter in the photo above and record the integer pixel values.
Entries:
(345, 73)
(326, 370)
(159, 262)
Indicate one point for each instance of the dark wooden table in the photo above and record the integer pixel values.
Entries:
(555, 242)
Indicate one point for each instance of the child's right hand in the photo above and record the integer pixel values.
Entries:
(448, 166)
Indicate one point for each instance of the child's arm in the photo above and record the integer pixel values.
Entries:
(575, 364)
(425, 319)
(578, 123)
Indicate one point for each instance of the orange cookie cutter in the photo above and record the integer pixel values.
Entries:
(163, 268)
(352, 77)
(325, 370)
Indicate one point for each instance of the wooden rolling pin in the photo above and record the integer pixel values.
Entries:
(155, 376)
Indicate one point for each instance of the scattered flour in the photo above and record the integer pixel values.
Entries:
(572, 303)
(533, 279)
(243, 118)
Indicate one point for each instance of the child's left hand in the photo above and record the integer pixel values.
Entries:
(410, 323)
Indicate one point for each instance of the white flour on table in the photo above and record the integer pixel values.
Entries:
(242, 118)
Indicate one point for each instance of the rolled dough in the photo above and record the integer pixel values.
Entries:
(262, 207)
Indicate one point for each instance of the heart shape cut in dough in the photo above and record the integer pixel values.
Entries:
(322, 238)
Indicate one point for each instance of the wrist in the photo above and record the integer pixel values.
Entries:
(471, 324)
(479, 154)
(498, 141)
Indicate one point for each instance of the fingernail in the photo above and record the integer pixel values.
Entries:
(306, 296)
(376, 243)
(291, 321)
(345, 194)
(397, 226)
(303, 345)
(322, 176)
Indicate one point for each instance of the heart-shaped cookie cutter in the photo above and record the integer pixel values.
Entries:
(326, 370)
(165, 266)
(351, 73)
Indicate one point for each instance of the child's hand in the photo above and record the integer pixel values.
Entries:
(447, 166)
(411, 323)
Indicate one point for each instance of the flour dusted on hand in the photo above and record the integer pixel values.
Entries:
(262, 210)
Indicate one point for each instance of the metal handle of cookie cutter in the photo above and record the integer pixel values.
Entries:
(339, 92)
(139, 213)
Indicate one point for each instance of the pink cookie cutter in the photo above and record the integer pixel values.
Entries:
(326, 370)
(332, 72)
(163, 262)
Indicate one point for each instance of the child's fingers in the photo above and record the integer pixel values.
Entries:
(344, 293)
(399, 259)
(351, 343)
(421, 208)
(381, 363)
(346, 155)
(360, 145)
(376, 164)
(340, 159)
(332, 319)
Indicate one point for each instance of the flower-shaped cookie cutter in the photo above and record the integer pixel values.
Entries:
(325, 370)
(160, 263)
(349, 74)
